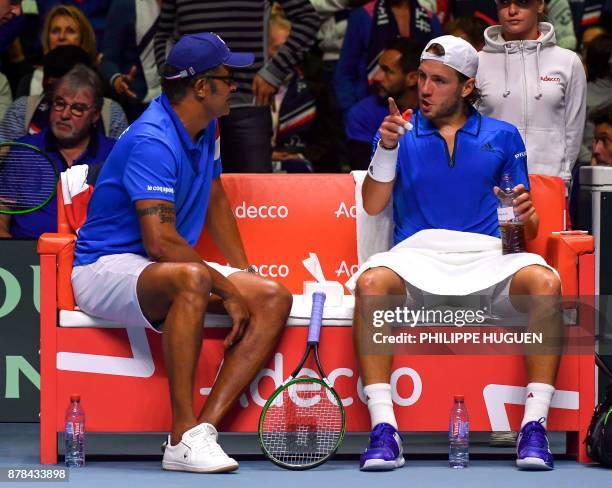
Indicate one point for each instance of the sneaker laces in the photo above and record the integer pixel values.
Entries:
(537, 432)
(207, 443)
(382, 435)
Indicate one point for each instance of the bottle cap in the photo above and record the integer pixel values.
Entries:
(458, 398)
(75, 398)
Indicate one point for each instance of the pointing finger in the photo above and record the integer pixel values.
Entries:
(393, 110)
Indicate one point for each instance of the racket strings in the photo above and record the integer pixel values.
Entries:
(305, 427)
(27, 178)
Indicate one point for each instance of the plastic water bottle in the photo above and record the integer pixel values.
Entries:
(74, 434)
(459, 435)
(511, 227)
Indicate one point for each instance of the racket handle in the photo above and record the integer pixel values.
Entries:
(316, 317)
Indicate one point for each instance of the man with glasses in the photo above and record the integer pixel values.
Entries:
(30, 114)
(71, 139)
(134, 257)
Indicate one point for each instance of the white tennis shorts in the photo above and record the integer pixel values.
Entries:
(107, 288)
(493, 301)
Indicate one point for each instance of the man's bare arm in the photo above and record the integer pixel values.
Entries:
(378, 185)
(376, 195)
(163, 243)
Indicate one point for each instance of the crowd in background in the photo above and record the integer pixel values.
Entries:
(316, 93)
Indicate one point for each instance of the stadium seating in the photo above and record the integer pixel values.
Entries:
(282, 218)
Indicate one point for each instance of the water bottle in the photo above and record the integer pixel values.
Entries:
(459, 435)
(511, 227)
(74, 434)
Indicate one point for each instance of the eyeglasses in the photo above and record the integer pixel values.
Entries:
(76, 109)
(228, 80)
(520, 3)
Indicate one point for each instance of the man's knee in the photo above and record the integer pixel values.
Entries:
(379, 281)
(543, 282)
(272, 297)
(193, 279)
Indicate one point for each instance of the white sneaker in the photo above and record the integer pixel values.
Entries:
(198, 452)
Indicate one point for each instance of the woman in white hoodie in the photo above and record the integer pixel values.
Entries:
(530, 82)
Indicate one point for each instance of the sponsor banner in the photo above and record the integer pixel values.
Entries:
(280, 226)
(130, 365)
(19, 331)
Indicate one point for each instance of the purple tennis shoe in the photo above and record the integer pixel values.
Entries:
(384, 451)
(532, 449)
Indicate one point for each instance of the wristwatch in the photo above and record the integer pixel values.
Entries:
(250, 269)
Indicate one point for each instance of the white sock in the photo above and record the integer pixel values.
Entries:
(537, 403)
(380, 404)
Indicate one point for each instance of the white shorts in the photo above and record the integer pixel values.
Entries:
(493, 301)
(107, 288)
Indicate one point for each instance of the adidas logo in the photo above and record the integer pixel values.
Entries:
(531, 395)
(486, 147)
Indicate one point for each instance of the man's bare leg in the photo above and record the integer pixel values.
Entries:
(269, 304)
(178, 294)
(537, 291)
(375, 282)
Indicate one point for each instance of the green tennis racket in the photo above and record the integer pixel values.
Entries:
(302, 424)
(28, 178)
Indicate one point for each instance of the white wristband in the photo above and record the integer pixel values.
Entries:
(384, 163)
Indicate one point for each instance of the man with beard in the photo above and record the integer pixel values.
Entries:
(443, 176)
(70, 139)
(397, 78)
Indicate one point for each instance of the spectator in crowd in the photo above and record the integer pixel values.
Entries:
(334, 18)
(94, 10)
(302, 121)
(397, 77)
(483, 9)
(128, 61)
(470, 29)
(599, 87)
(590, 34)
(580, 204)
(64, 25)
(247, 131)
(369, 28)
(529, 81)
(441, 183)
(587, 13)
(559, 14)
(602, 137)
(9, 9)
(29, 115)
(10, 16)
(5, 95)
(71, 139)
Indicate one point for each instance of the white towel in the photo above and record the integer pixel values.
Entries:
(374, 233)
(447, 262)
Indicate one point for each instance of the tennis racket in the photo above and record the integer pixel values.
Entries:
(302, 424)
(28, 178)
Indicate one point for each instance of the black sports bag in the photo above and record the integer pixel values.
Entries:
(599, 436)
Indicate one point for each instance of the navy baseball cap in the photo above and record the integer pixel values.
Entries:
(196, 53)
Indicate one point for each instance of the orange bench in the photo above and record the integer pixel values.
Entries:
(282, 218)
